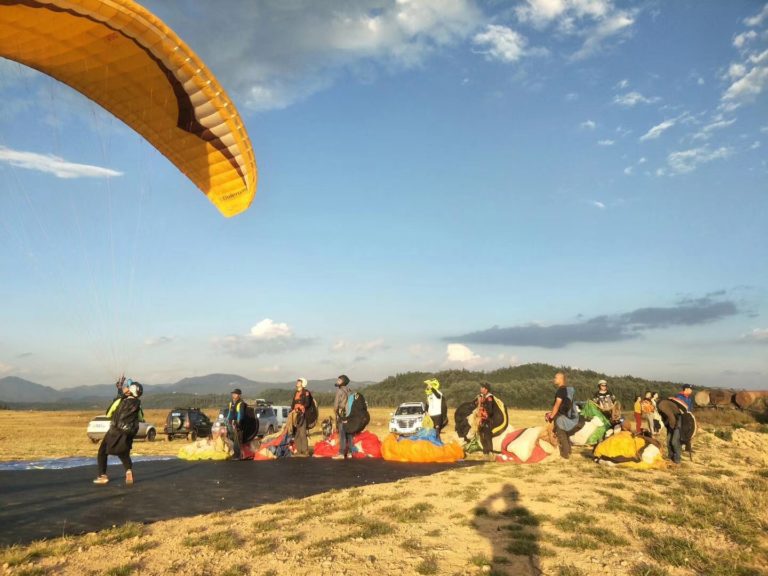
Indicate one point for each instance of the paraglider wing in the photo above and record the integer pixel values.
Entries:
(127, 60)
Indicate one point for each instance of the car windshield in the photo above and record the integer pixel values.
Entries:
(264, 412)
(409, 411)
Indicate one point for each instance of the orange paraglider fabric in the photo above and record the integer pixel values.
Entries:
(123, 57)
(419, 450)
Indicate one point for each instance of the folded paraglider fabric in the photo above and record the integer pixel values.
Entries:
(420, 448)
(595, 427)
(276, 446)
(364, 445)
(525, 446)
(206, 449)
(626, 449)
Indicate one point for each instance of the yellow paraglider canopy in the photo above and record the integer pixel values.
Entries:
(121, 56)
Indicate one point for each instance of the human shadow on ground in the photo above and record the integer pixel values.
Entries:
(513, 532)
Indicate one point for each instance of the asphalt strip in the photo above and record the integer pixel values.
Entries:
(38, 504)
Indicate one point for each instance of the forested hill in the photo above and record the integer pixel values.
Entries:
(526, 386)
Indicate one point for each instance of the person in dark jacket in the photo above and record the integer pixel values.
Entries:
(340, 409)
(122, 429)
(300, 406)
(563, 415)
(486, 408)
(235, 417)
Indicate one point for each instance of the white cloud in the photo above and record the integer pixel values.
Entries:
(755, 145)
(274, 54)
(503, 44)
(642, 160)
(571, 97)
(158, 341)
(606, 142)
(657, 130)
(593, 20)
(740, 40)
(265, 337)
(598, 204)
(606, 28)
(588, 125)
(6, 369)
(757, 335)
(631, 99)
(270, 330)
(461, 354)
(749, 84)
(51, 164)
(759, 18)
(628, 170)
(622, 84)
(688, 160)
(736, 71)
(706, 132)
(366, 347)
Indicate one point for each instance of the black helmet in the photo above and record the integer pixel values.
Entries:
(344, 380)
(136, 389)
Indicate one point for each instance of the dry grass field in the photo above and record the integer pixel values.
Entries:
(563, 518)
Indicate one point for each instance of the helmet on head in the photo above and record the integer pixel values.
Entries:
(302, 381)
(136, 389)
(432, 384)
(344, 380)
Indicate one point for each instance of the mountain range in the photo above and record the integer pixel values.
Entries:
(15, 390)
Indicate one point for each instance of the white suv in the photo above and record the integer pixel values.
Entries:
(407, 418)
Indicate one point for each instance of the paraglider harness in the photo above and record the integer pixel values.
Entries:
(244, 431)
(309, 410)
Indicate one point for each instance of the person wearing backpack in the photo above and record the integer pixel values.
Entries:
(236, 416)
(340, 410)
(564, 414)
(300, 406)
(486, 406)
(119, 438)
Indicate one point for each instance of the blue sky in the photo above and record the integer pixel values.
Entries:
(441, 184)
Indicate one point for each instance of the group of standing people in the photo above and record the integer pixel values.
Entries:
(648, 409)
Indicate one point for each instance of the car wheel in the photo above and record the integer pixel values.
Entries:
(270, 430)
(193, 434)
(94, 440)
(170, 437)
(151, 435)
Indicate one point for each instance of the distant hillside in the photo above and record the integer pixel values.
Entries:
(208, 391)
(13, 389)
(526, 386)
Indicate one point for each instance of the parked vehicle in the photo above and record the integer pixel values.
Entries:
(268, 422)
(282, 415)
(266, 416)
(407, 418)
(98, 427)
(191, 423)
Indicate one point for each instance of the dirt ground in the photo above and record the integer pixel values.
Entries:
(708, 517)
